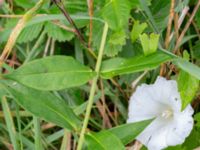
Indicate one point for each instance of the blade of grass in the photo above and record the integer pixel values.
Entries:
(10, 124)
(19, 126)
(37, 131)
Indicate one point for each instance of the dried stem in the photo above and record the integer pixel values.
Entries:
(169, 26)
(195, 26)
(176, 27)
(60, 5)
(186, 27)
(167, 38)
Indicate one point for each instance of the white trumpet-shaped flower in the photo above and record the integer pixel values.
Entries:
(161, 101)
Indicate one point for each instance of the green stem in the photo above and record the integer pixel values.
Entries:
(93, 88)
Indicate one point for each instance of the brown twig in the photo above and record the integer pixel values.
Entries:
(176, 27)
(167, 38)
(105, 117)
(186, 27)
(105, 120)
(60, 5)
(58, 23)
(180, 19)
(169, 25)
(195, 26)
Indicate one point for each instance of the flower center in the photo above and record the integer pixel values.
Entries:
(167, 113)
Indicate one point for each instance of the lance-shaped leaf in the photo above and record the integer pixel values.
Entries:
(103, 140)
(128, 132)
(188, 67)
(45, 105)
(119, 66)
(52, 73)
(117, 136)
(149, 43)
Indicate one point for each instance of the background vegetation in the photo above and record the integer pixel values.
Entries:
(69, 67)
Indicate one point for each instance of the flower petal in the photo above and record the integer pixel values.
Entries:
(166, 91)
(160, 100)
(142, 100)
(182, 126)
(154, 136)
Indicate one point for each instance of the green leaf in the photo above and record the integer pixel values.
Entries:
(45, 105)
(30, 33)
(103, 141)
(195, 50)
(149, 44)
(115, 42)
(25, 4)
(188, 86)
(197, 119)
(134, 3)
(116, 13)
(159, 10)
(128, 132)
(52, 73)
(119, 66)
(188, 67)
(57, 33)
(137, 30)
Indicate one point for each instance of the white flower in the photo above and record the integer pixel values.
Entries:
(161, 101)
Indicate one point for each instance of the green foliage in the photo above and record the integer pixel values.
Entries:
(195, 49)
(57, 33)
(188, 86)
(119, 66)
(30, 33)
(149, 43)
(103, 141)
(197, 119)
(52, 73)
(54, 87)
(128, 132)
(117, 136)
(45, 105)
(25, 4)
(137, 30)
(116, 13)
(188, 67)
(115, 42)
(10, 123)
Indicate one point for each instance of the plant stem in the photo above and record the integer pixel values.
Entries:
(93, 88)
(186, 27)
